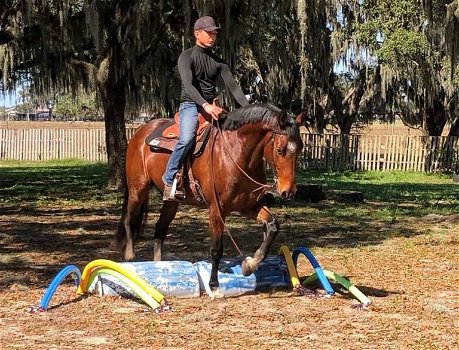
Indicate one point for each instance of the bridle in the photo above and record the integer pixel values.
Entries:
(262, 187)
(271, 139)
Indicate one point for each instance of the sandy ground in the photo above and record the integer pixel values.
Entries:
(410, 271)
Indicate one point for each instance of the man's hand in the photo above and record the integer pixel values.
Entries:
(214, 110)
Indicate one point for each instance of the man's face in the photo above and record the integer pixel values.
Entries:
(205, 38)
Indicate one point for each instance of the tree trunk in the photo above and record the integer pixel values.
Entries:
(435, 119)
(454, 130)
(112, 89)
(350, 108)
(115, 136)
(345, 123)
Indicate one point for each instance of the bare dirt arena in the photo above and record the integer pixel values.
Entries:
(408, 267)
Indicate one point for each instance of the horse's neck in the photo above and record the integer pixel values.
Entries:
(246, 144)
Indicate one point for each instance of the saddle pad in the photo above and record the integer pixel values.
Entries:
(159, 131)
(159, 143)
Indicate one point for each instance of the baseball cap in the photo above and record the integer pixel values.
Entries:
(207, 23)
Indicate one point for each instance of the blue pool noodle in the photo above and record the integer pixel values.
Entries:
(318, 270)
(57, 280)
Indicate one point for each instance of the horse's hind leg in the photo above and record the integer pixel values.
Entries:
(168, 211)
(141, 220)
(271, 229)
(131, 220)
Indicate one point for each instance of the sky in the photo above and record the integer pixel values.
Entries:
(7, 100)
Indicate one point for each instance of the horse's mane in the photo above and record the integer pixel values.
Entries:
(260, 113)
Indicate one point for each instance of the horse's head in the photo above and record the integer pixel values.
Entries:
(282, 154)
(279, 136)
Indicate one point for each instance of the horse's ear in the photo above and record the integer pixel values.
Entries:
(299, 118)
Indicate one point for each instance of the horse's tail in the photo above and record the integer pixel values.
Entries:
(120, 237)
(136, 221)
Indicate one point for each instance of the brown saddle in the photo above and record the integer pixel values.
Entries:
(165, 137)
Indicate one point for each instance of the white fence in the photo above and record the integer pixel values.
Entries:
(380, 152)
(356, 152)
(47, 144)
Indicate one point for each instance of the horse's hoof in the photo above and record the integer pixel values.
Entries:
(246, 266)
(216, 294)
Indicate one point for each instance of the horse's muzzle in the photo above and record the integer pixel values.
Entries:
(287, 193)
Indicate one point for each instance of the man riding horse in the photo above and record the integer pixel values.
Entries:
(199, 70)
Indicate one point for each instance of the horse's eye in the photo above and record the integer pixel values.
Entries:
(280, 151)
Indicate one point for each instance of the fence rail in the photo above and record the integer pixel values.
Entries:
(329, 151)
(47, 144)
(380, 152)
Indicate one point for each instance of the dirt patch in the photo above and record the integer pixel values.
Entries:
(408, 269)
(397, 128)
(56, 125)
(50, 125)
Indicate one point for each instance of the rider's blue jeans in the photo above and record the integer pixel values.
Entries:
(188, 125)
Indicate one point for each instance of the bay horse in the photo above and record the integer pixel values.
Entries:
(231, 172)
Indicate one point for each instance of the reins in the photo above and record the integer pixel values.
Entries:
(262, 187)
(220, 210)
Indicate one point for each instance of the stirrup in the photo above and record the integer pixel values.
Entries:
(176, 193)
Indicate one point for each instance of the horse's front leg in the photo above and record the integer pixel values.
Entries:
(168, 212)
(217, 225)
(271, 229)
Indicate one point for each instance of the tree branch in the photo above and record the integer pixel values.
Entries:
(89, 68)
(6, 37)
(154, 42)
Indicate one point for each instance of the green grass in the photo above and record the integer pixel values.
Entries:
(388, 195)
(401, 193)
(52, 182)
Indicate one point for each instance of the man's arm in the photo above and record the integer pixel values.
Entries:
(233, 86)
